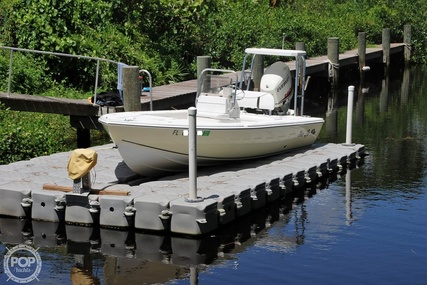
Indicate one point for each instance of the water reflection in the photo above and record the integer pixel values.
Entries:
(132, 256)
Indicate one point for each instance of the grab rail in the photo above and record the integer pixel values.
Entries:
(98, 59)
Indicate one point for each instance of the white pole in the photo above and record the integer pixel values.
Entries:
(349, 114)
(192, 153)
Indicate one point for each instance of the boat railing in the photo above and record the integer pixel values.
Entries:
(150, 84)
(220, 83)
(97, 59)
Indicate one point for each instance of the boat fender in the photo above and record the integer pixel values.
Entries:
(165, 215)
(26, 202)
(129, 211)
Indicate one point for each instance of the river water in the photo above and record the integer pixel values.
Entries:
(364, 226)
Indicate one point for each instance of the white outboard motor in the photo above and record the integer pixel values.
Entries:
(277, 81)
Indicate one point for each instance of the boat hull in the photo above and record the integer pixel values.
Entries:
(156, 143)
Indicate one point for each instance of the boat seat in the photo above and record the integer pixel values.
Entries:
(255, 100)
(212, 105)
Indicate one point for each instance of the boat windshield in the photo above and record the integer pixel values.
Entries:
(216, 84)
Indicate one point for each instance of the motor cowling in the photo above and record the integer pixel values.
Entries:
(277, 80)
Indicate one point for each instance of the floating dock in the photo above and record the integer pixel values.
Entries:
(39, 189)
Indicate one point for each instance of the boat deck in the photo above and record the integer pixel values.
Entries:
(39, 189)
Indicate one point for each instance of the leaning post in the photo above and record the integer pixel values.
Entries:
(333, 57)
(131, 89)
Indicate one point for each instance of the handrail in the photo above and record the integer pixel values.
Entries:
(151, 87)
(98, 59)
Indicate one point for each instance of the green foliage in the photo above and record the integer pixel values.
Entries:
(165, 37)
(25, 135)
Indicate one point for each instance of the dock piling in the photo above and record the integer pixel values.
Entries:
(362, 52)
(333, 57)
(407, 34)
(386, 48)
(258, 71)
(131, 89)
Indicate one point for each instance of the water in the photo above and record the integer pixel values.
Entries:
(366, 226)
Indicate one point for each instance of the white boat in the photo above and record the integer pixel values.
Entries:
(232, 123)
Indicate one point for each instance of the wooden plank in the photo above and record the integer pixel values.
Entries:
(54, 187)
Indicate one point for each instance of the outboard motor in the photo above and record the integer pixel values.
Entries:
(277, 81)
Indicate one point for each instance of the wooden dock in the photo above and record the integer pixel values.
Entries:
(167, 96)
(39, 189)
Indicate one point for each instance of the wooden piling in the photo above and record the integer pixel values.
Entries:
(131, 89)
(258, 71)
(300, 46)
(361, 50)
(203, 62)
(407, 34)
(333, 57)
(386, 48)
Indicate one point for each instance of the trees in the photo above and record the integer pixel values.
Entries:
(165, 36)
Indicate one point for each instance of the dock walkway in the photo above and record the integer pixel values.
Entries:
(126, 200)
(168, 96)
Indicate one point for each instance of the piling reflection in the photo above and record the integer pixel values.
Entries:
(384, 94)
(331, 117)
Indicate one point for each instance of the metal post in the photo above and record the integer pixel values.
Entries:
(192, 155)
(283, 40)
(10, 72)
(96, 81)
(349, 115)
(150, 83)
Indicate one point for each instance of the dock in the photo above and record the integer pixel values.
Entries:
(84, 114)
(40, 190)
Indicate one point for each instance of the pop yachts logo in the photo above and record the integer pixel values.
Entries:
(22, 264)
